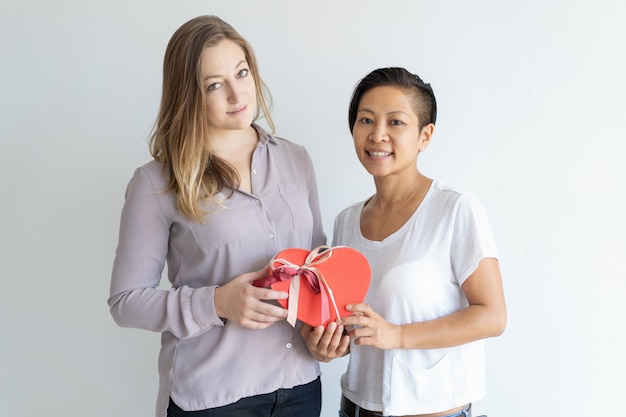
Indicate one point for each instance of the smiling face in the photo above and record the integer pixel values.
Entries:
(386, 132)
(228, 87)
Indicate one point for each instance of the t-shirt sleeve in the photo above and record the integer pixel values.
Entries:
(472, 237)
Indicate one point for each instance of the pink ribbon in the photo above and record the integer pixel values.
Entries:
(312, 276)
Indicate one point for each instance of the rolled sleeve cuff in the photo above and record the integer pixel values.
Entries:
(203, 307)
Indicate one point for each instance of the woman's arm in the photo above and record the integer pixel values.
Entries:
(484, 317)
(135, 299)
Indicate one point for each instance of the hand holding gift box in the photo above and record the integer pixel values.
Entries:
(320, 282)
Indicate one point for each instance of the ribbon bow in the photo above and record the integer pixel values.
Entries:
(283, 270)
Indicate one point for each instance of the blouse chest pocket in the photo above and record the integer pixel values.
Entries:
(219, 228)
(296, 198)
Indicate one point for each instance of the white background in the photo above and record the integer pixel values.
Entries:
(531, 113)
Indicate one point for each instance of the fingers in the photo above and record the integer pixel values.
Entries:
(360, 308)
(269, 294)
(377, 332)
(340, 342)
(262, 293)
(251, 276)
(241, 302)
(259, 308)
(327, 343)
(361, 313)
(255, 309)
(256, 292)
(260, 317)
(331, 337)
(366, 327)
(259, 321)
(305, 329)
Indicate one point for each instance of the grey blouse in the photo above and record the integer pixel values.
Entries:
(203, 362)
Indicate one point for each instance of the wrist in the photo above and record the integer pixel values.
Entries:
(401, 342)
(217, 305)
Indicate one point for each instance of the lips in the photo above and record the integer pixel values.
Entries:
(238, 111)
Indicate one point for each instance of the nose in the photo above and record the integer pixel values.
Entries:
(233, 94)
(378, 133)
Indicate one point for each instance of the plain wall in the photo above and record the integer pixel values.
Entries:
(531, 103)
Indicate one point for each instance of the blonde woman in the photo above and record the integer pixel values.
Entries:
(221, 197)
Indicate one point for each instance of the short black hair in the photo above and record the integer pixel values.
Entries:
(423, 95)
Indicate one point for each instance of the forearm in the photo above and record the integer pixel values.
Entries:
(472, 323)
(185, 312)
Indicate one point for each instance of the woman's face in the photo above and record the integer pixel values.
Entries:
(228, 87)
(386, 133)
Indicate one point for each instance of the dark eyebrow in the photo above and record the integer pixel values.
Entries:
(367, 110)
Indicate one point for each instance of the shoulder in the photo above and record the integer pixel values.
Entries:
(291, 148)
(345, 225)
(444, 191)
(152, 169)
(461, 211)
(293, 158)
(280, 145)
(351, 209)
(445, 195)
(349, 213)
(447, 206)
(151, 176)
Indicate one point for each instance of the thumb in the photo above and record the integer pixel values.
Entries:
(261, 273)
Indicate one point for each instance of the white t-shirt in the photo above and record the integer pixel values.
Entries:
(417, 273)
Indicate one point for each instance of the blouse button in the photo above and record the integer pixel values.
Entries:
(288, 345)
(257, 202)
(271, 235)
(254, 171)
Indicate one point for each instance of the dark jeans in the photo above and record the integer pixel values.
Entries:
(300, 401)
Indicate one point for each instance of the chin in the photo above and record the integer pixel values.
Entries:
(245, 121)
(240, 124)
(375, 172)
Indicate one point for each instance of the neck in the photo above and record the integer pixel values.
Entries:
(391, 192)
(230, 143)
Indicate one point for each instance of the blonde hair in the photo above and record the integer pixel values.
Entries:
(180, 140)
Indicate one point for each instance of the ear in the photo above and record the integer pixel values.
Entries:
(425, 135)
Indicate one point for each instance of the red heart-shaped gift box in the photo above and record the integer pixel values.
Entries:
(330, 278)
